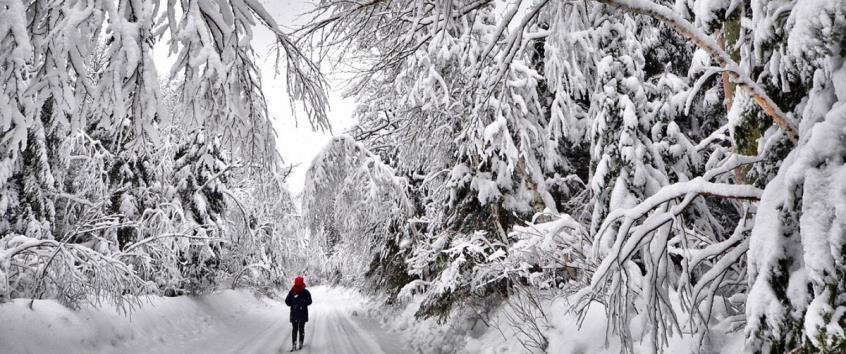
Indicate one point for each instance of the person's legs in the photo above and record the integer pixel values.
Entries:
(294, 331)
(302, 334)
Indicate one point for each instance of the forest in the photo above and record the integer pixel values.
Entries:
(671, 169)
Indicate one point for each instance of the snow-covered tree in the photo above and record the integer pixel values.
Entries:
(355, 208)
(93, 163)
(443, 106)
(325, 179)
(265, 233)
(796, 264)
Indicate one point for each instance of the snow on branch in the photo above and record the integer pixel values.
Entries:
(722, 58)
(697, 186)
(645, 235)
(75, 272)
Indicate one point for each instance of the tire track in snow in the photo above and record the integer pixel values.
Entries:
(266, 340)
(331, 329)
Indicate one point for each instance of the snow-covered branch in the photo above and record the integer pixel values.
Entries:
(77, 273)
(665, 14)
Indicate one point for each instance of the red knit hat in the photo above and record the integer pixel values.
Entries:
(299, 285)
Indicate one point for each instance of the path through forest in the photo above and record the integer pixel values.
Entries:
(229, 321)
(335, 326)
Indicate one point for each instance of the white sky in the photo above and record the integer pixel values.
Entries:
(296, 142)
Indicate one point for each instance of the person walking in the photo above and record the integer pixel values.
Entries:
(298, 300)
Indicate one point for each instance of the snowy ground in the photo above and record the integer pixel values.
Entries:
(342, 321)
(226, 322)
(460, 333)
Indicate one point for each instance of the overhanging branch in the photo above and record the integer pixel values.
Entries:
(723, 59)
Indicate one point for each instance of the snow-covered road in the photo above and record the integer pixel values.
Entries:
(225, 322)
(333, 327)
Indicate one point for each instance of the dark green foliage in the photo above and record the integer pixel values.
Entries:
(32, 188)
(201, 168)
(200, 266)
(440, 306)
(671, 53)
(388, 272)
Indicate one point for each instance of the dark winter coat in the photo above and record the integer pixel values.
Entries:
(299, 305)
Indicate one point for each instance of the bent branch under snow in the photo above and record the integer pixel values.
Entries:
(722, 58)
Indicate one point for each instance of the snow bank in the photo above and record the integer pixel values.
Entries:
(565, 335)
(461, 333)
(159, 325)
